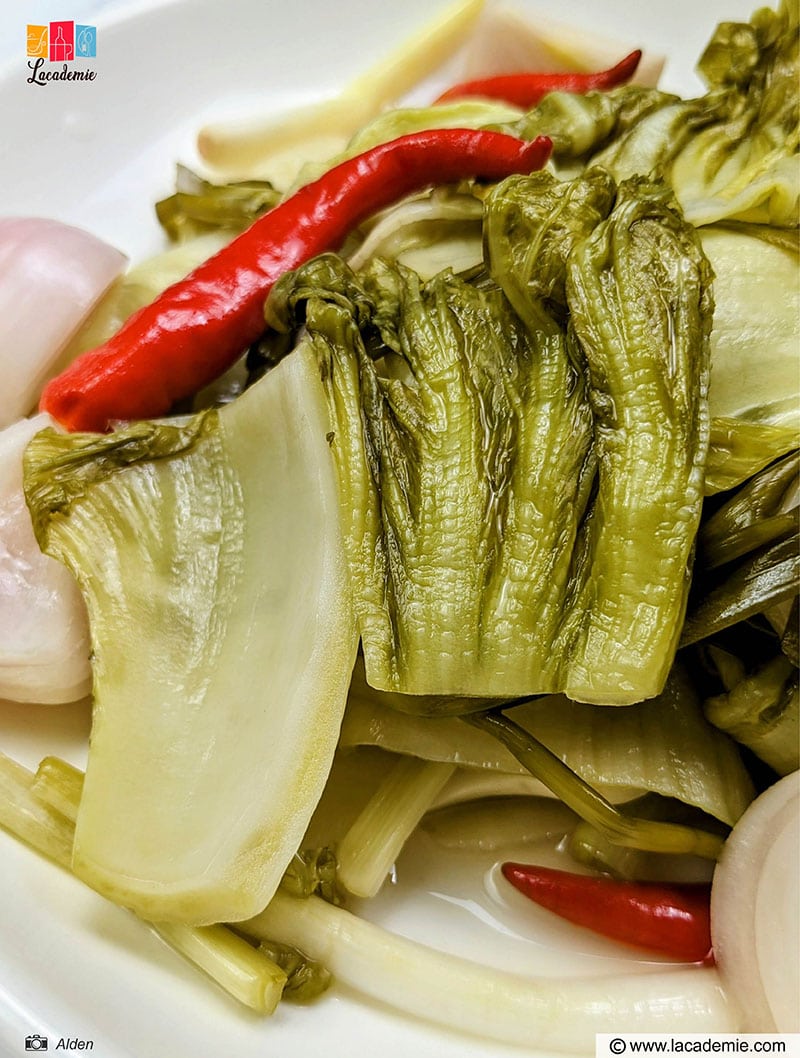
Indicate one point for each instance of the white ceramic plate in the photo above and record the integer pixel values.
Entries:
(99, 154)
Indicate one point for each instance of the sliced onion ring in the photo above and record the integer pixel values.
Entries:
(755, 911)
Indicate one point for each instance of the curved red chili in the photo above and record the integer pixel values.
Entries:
(198, 327)
(526, 89)
(673, 919)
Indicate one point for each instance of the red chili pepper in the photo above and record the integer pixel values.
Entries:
(670, 918)
(526, 89)
(198, 327)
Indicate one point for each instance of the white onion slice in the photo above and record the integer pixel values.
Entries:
(755, 911)
(51, 275)
(44, 630)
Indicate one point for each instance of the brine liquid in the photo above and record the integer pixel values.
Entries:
(453, 897)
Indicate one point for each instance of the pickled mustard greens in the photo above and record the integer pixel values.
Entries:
(731, 153)
(639, 293)
(749, 552)
(521, 502)
(429, 479)
(199, 206)
(664, 746)
(750, 560)
(483, 452)
(40, 809)
(754, 342)
(762, 711)
(208, 553)
(764, 510)
(630, 831)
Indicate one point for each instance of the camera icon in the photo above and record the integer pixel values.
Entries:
(36, 1043)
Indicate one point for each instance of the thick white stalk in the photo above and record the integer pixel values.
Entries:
(369, 849)
(549, 1014)
(261, 145)
(242, 970)
(31, 820)
(39, 809)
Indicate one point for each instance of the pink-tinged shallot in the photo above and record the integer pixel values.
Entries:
(51, 276)
(44, 632)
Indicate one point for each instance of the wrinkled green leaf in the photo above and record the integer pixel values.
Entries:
(745, 165)
(532, 224)
(757, 582)
(466, 442)
(470, 423)
(581, 125)
(762, 511)
(199, 206)
(649, 145)
(731, 153)
(639, 292)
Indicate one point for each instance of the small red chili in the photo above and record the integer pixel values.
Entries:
(673, 919)
(526, 89)
(198, 327)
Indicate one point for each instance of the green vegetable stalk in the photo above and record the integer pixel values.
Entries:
(41, 809)
(462, 492)
(619, 828)
(639, 292)
(762, 511)
(762, 579)
(520, 453)
(553, 1015)
(762, 711)
(370, 847)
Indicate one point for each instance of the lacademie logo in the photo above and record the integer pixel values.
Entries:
(53, 47)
